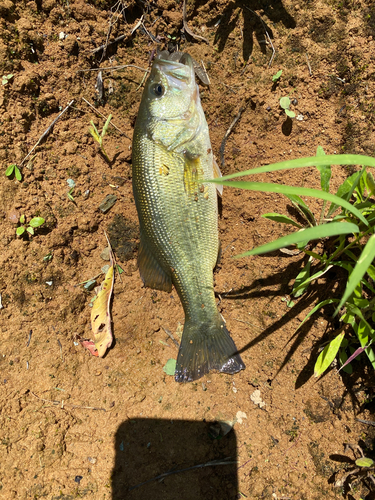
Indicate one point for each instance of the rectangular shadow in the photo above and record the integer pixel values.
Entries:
(148, 448)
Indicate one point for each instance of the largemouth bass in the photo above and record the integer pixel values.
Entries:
(178, 213)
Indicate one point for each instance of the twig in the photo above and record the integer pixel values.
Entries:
(29, 339)
(110, 68)
(308, 64)
(186, 27)
(61, 354)
(46, 132)
(225, 461)
(231, 127)
(171, 337)
(247, 323)
(105, 118)
(267, 35)
(62, 404)
(106, 45)
(368, 422)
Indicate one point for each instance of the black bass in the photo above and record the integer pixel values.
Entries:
(178, 212)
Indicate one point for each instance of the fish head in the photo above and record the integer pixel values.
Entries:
(170, 102)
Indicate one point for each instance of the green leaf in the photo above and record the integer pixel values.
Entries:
(22, 219)
(370, 183)
(343, 191)
(170, 366)
(266, 187)
(307, 234)
(310, 161)
(36, 221)
(363, 263)
(316, 308)
(325, 171)
(315, 277)
(328, 355)
(10, 169)
(30, 230)
(364, 462)
(303, 209)
(285, 102)
(119, 269)
(17, 174)
(289, 113)
(343, 358)
(94, 132)
(301, 278)
(106, 125)
(277, 75)
(283, 219)
(20, 230)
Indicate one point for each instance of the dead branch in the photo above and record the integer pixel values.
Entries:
(47, 131)
(186, 27)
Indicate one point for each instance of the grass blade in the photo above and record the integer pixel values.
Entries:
(283, 219)
(316, 308)
(310, 161)
(325, 171)
(364, 261)
(301, 278)
(310, 233)
(266, 187)
(328, 355)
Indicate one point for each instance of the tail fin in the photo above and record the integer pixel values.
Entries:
(206, 347)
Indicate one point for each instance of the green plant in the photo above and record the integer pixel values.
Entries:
(99, 137)
(285, 105)
(345, 233)
(277, 75)
(358, 469)
(13, 169)
(33, 224)
(5, 78)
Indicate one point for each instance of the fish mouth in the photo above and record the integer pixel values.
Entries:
(177, 67)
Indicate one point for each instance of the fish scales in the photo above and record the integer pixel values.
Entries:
(178, 214)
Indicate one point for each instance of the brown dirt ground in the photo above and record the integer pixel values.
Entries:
(75, 426)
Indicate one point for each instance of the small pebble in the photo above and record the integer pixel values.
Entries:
(98, 373)
(91, 460)
(105, 254)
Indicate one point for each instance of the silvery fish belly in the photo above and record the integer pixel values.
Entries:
(178, 212)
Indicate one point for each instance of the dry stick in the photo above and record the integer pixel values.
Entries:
(105, 118)
(308, 63)
(186, 27)
(62, 404)
(171, 337)
(231, 127)
(110, 68)
(106, 45)
(268, 37)
(225, 461)
(44, 135)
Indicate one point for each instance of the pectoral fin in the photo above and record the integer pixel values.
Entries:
(217, 175)
(152, 273)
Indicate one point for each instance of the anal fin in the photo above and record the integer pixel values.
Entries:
(152, 273)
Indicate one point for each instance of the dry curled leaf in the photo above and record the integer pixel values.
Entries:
(100, 314)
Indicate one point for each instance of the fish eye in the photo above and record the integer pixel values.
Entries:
(158, 89)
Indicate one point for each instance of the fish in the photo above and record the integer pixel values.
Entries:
(178, 212)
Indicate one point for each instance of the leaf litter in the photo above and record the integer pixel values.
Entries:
(101, 314)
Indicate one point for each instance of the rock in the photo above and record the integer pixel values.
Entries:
(105, 254)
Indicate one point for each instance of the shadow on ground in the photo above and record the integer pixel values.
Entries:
(201, 464)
